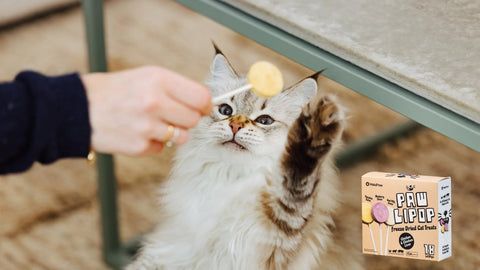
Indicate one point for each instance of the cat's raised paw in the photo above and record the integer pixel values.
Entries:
(322, 120)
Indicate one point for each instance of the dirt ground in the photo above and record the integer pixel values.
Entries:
(49, 216)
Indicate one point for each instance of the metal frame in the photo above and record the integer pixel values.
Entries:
(364, 82)
(113, 253)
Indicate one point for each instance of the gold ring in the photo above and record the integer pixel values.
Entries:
(174, 138)
(171, 131)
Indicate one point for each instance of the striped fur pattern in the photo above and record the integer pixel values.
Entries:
(254, 188)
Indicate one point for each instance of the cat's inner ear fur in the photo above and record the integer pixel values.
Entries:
(221, 68)
(295, 97)
(304, 90)
(223, 78)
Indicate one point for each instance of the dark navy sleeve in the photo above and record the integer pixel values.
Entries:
(42, 119)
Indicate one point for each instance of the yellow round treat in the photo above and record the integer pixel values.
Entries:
(367, 213)
(265, 78)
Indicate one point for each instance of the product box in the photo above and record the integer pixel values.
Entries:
(407, 216)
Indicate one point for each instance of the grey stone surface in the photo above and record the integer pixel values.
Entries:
(430, 47)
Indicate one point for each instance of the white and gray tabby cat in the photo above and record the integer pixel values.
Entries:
(254, 187)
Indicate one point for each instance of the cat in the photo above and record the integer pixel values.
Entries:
(255, 186)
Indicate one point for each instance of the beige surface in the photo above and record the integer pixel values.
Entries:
(15, 10)
(431, 48)
(49, 215)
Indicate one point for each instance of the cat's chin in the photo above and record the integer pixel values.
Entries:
(233, 145)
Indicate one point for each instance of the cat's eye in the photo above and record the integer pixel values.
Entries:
(264, 119)
(225, 109)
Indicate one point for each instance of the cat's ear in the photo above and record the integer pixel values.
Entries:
(221, 68)
(300, 93)
(303, 91)
(293, 99)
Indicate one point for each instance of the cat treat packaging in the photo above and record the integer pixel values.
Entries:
(407, 216)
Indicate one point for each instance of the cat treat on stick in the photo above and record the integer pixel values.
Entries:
(264, 79)
(380, 214)
(367, 219)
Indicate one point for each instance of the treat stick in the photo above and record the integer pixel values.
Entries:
(386, 241)
(381, 242)
(217, 99)
(390, 222)
(373, 241)
(263, 78)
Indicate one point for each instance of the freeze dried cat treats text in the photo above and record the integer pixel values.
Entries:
(407, 216)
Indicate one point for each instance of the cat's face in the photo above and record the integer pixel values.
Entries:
(247, 124)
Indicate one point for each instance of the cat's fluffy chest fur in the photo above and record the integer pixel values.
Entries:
(222, 225)
(254, 187)
(218, 218)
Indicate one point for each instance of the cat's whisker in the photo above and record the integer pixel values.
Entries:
(253, 138)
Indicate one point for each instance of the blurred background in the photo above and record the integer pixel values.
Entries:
(49, 216)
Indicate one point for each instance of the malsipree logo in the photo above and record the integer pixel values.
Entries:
(373, 184)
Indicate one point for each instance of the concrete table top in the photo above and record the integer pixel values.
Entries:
(430, 47)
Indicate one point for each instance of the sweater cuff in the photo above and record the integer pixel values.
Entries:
(73, 129)
(61, 126)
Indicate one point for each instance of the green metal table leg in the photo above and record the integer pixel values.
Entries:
(113, 253)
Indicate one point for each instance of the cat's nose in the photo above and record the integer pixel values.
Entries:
(236, 126)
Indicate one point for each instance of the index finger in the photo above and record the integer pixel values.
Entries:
(188, 92)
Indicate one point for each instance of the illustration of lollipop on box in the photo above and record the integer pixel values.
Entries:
(380, 215)
(367, 219)
(390, 222)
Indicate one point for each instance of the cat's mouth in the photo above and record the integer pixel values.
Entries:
(235, 145)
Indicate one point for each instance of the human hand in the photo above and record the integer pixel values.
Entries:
(130, 111)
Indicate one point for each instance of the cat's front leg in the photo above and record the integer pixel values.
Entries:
(310, 139)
